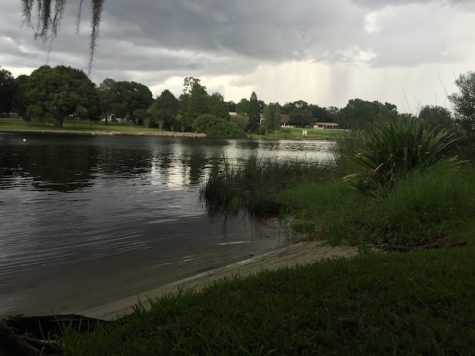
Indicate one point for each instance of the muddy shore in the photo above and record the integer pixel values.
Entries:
(292, 255)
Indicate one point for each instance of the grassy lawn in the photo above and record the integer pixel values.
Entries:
(17, 125)
(74, 126)
(291, 133)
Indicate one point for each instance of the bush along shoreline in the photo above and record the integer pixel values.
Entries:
(398, 189)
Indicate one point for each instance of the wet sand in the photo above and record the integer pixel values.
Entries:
(292, 255)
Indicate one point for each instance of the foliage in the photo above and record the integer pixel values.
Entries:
(193, 103)
(250, 185)
(8, 91)
(423, 207)
(122, 99)
(389, 152)
(163, 111)
(300, 113)
(50, 14)
(464, 101)
(240, 120)
(271, 116)
(243, 106)
(254, 113)
(436, 116)
(362, 115)
(216, 106)
(217, 127)
(53, 94)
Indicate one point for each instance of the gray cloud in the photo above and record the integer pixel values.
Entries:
(165, 38)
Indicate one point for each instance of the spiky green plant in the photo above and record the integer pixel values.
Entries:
(388, 152)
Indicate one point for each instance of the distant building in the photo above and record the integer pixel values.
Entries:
(325, 125)
(284, 120)
(233, 114)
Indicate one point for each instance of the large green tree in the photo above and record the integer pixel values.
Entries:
(436, 116)
(53, 94)
(464, 101)
(164, 111)
(124, 99)
(217, 106)
(254, 113)
(272, 118)
(243, 106)
(8, 91)
(193, 103)
(361, 115)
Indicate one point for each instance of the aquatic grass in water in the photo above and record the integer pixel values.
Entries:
(251, 184)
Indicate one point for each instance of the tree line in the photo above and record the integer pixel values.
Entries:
(55, 94)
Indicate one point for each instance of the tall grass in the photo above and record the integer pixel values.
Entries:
(425, 206)
(251, 184)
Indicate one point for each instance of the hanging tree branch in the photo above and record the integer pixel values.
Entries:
(95, 21)
(49, 16)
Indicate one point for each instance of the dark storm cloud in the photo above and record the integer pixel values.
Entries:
(210, 37)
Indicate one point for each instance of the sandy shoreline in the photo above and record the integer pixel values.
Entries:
(292, 255)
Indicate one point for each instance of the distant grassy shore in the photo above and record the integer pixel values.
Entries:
(293, 133)
(100, 128)
(89, 128)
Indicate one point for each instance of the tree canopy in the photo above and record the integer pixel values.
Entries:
(361, 114)
(254, 113)
(464, 101)
(8, 91)
(163, 111)
(122, 99)
(436, 116)
(52, 94)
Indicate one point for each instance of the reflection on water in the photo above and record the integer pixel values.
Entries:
(101, 208)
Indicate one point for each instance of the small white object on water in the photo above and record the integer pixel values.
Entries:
(24, 140)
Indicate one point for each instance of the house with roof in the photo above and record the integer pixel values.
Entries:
(285, 120)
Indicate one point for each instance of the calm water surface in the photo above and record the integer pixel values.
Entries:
(90, 219)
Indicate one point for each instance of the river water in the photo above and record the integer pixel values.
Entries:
(87, 219)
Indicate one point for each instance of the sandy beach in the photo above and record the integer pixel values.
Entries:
(301, 253)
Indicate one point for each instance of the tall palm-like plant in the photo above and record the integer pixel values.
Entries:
(389, 152)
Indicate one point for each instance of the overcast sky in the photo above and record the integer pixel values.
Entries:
(325, 52)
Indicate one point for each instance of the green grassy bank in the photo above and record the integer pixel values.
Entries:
(83, 127)
(93, 127)
(292, 133)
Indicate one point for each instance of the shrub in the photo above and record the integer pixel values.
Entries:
(216, 127)
(389, 152)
